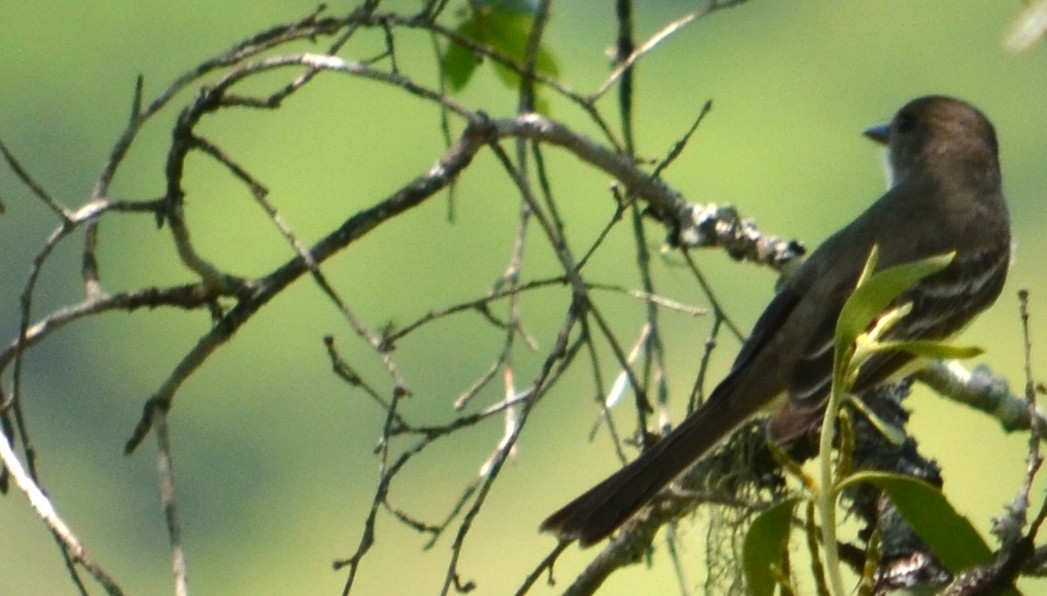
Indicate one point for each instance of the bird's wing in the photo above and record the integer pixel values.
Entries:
(770, 321)
(942, 304)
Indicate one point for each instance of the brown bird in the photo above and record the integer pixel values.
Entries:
(945, 196)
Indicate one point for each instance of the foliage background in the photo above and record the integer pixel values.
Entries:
(273, 455)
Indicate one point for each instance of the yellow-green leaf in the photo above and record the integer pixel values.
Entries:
(870, 299)
(932, 350)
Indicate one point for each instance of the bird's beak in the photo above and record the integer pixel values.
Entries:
(879, 133)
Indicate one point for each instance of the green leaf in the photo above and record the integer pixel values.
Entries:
(950, 535)
(545, 64)
(765, 544)
(934, 350)
(505, 27)
(459, 62)
(508, 33)
(870, 266)
(871, 298)
(895, 435)
(517, 6)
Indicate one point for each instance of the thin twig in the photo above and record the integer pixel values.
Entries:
(45, 509)
(165, 472)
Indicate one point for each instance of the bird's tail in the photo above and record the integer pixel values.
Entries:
(599, 511)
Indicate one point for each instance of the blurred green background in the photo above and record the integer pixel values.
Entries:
(272, 453)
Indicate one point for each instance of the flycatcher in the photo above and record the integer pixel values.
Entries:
(945, 196)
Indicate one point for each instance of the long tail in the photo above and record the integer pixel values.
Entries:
(600, 510)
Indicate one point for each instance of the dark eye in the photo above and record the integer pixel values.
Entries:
(905, 122)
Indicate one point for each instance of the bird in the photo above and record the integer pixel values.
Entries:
(944, 196)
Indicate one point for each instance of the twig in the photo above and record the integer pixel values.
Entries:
(43, 507)
(165, 472)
